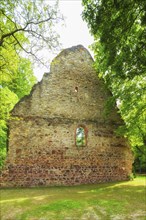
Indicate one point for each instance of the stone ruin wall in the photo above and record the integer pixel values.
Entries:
(42, 149)
(59, 161)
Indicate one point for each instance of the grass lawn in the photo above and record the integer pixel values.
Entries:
(110, 201)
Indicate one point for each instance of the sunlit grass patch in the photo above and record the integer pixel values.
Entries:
(59, 207)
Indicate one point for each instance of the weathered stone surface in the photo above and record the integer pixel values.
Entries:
(42, 146)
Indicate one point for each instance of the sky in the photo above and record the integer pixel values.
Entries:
(74, 32)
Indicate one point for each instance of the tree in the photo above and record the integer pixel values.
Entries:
(8, 100)
(28, 26)
(11, 91)
(118, 27)
(22, 84)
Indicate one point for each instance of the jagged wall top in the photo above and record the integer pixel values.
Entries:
(71, 90)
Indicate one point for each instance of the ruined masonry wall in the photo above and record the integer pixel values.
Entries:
(58, 161)
(42, 149)
(55, 95)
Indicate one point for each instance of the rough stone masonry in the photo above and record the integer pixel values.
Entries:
(60, 135)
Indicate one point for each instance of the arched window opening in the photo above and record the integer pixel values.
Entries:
(76, 89)
(80, 137)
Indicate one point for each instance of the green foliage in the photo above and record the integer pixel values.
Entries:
(140, 159)
(80, 137)
(24, 80)
(118, 28)
(3, 140)
(28, 26)
(8, 100)
(10, 93)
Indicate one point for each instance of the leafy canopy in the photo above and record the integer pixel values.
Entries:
(29, 26)
(118, 27)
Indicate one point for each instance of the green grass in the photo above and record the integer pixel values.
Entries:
(110, 201)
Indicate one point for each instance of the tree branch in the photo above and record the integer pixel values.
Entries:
(139, 150)
(22, 28)
(11, 34)
(28, 52)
